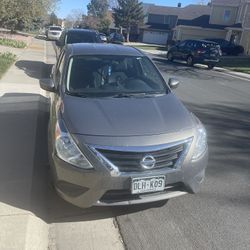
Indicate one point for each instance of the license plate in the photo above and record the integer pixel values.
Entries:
(148, 184)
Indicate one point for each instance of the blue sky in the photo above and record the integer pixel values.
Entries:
(66, 6)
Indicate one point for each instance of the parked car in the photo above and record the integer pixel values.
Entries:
(228, 48)
(54, 32)
(103, 37)
(117, 133)
(116, 38)
(196, 51)
(71, 36)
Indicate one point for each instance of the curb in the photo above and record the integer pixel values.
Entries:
(233, 73)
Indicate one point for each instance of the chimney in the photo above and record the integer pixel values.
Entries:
(179, 5)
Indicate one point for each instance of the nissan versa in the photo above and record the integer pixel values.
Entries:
(117, 133)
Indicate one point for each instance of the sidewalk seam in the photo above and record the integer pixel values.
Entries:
(8, 215)
(117, 225)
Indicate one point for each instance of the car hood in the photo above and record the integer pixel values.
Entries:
(125, 116)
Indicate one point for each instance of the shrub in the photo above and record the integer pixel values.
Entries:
(6, 60)
(12, 43)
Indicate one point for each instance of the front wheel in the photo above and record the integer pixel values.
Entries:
(210, 66)
(170, 56)
(190, 61)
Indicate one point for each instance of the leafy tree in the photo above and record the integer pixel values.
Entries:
(127, 14)
(74, 18)
(22, 13)
(98, 15)
(98, 8)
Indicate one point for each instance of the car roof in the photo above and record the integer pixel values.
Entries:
(101, 49)
(81, 31)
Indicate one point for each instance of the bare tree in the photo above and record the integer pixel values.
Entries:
(74, 18)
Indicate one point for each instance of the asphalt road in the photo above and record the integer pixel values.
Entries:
(219, 216)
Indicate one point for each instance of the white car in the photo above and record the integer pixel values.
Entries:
(54, 32)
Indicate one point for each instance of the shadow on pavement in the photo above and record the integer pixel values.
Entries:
(178, 69)
(41, 37)
(24, 168)
(35, 69)
(228, 129)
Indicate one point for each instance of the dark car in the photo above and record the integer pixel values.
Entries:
(116, 38)
(118, 135)
(228, 48)
(71, 36)
(196, 51)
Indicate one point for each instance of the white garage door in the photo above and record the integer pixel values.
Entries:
(155, 37)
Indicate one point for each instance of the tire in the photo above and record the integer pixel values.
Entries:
(210, 66)
(170, 56)
(190, 61)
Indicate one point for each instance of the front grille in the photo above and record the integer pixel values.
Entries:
(125, 195)
(130, 161)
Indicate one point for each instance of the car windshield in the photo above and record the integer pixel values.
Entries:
(81, 37)
(55, 28)
(101, 75)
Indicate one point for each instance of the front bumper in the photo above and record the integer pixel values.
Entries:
(86, 188)
(53, 37)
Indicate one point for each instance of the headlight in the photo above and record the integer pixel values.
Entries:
(67, 149)
(201, 143)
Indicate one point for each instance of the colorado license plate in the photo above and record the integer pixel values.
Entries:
(148, 184)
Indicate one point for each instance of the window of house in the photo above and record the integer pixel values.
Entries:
(227, 15)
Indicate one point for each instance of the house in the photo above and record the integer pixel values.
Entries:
(226, 19)
(161, 21)
(229, 19)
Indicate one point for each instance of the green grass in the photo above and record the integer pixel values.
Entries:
(12, 43)
(150, 47)
(6, 60)
(239, 69)
(236, 64)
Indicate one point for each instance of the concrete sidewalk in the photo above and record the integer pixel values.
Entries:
(32, 215)
(20, 228)
(24, 75)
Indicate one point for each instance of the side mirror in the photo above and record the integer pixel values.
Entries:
(173, 83)
(47, 84)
